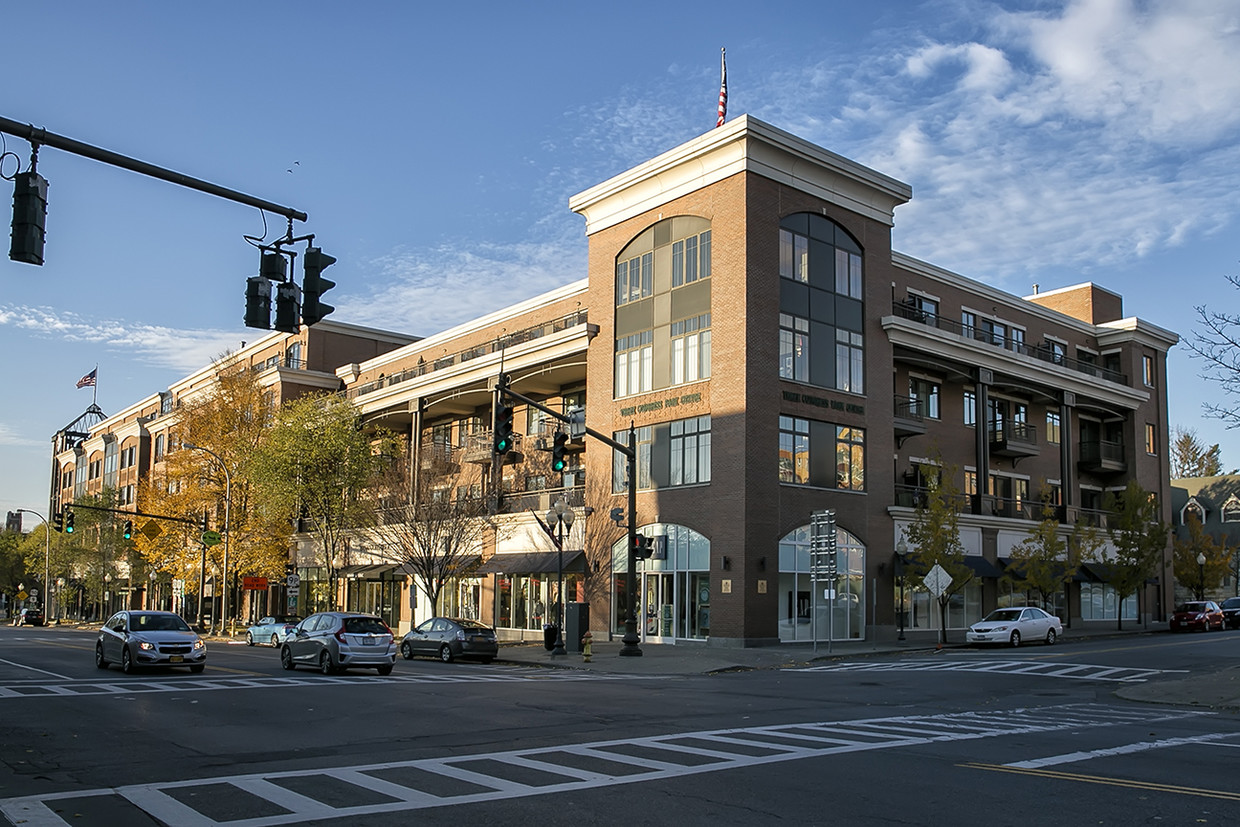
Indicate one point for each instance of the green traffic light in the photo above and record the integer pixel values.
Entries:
(69, 523)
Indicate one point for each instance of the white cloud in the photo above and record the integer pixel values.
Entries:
(9, 439)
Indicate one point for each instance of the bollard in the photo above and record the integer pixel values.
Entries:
(585, 647)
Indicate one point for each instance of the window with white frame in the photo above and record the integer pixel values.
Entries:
(635, 364)
(849, 361)
(970, 407)
(1151, 439)
(691, 349)
(634, 278)
(690, 451)
(669, 454)
(691, 259)
(1231, 510)
(1147, 370)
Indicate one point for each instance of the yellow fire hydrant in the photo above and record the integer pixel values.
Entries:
(585, 647)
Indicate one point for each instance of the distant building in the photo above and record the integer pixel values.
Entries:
(1216, 502)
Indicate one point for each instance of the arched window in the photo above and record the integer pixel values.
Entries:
(808, 609)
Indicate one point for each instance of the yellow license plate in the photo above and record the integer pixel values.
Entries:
(175, 658)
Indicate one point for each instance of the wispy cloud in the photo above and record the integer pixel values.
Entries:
(180, 350)
(9, 439)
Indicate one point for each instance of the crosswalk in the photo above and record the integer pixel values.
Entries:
(180, 684)
(350, 793)
(1048, 669)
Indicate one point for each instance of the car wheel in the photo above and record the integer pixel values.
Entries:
(1050, 637)
(126, 661)
(197, 668)
(249, 639)
(406, 651)
(445, 653)
(100, 660)
(275, 640)
(325, 664)
(1014, 639)
(286, 658)
(385, 669)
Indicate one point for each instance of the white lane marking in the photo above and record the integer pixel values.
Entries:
(651, 758)
(1074, 671)
(33, 669)
(1127, 749)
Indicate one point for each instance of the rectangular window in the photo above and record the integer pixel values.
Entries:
(850, 458)
(691, 259)
(1151, 439)
(1147, 370)
(970, 483)
(793, 347)
(847, 273)
(635, 278)
(970, 407)
(634, 364)
(849, 361)
(793, 256)
(797, 464)
(1016, 340)
(794, 450)
(1052, 427)
(691, 349)
(690, 451)
(925, 396)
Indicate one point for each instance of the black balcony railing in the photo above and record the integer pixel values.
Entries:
(1043, 353)
(423, 367)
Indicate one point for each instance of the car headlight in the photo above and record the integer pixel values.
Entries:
(198, 644)
(145, 646)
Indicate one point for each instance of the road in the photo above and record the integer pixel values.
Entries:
(1029, 736)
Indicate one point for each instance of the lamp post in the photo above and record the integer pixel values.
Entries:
(901, 550)
(559, 518)
(227, 533)
(47, 559)
(107, 595)
(1201, 575)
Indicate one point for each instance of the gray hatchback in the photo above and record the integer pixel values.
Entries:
(335, 641)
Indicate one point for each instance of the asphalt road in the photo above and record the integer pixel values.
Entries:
(1037, 735)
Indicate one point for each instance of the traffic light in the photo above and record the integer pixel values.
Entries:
(29, 216)
(643, 547)
(58, 521)
(558, 461)
(258, 303)
(127, 531)
(288, 308)
(68, 522)
(313, 286)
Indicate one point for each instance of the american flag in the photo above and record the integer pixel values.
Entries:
(723, 87)
(88, 381)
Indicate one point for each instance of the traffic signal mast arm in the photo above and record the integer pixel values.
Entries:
(75, 506)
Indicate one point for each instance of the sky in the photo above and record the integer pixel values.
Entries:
(434, 147)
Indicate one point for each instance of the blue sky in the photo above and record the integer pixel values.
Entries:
(435, 146)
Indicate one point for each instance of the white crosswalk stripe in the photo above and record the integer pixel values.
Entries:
(294, 797)
(1073, 671)
(125, 685)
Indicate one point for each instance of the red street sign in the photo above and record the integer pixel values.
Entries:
(254, 583)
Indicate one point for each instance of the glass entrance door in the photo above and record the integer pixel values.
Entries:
(658, 606)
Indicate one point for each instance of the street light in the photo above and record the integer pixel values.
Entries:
(559, 518)
(47, 558)
(901, 550)
(1201, 575)
(227, 533)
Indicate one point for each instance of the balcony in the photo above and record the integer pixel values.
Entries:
(909, 418)
(1013, 439)
(480, 449)
(1102, 457)
(436, 456)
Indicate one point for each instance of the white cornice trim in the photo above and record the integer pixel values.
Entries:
(745, 144)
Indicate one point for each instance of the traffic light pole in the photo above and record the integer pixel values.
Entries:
(631, 647)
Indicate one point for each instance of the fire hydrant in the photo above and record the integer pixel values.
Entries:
(585, 647)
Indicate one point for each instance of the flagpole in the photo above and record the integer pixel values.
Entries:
(723, 87)
(94, 388)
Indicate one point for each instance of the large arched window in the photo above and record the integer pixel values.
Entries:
(808, 608)
(663, 294)
(821, 309)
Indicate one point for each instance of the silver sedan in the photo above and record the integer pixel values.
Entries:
(135, 639)
(1016, 625)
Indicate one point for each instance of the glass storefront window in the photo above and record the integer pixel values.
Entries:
(673, 591)
(808, 609)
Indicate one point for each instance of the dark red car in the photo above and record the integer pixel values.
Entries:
(1197, 614)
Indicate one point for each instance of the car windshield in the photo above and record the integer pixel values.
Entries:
(1191, 607)
(157, 623)
(364, 625)
(1003, 614)
(288, 619)
(1232, 603)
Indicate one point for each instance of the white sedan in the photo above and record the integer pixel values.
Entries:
(1015, 625)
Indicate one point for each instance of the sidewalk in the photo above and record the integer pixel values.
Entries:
(1218, 690)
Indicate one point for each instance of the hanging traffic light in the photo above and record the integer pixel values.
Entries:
(313, 286)
(558, 460)
(68, 522)
(58, 521)
(504, 414)
(288, 308)
(29, 217)
(258, 303)
(127, 531)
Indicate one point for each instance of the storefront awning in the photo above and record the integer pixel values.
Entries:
(1015, 569)
(371, 572)
(533, 562)
(980, 565)
(464, 567)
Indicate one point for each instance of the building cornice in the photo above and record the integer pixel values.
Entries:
(744, 144)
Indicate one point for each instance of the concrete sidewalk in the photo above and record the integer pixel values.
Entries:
(1219, 690)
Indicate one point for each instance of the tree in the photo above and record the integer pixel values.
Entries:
(435, 527)
(1139, 538)
(1190, 458)
(12, 565)
(1188, 572)
(934, 536)
(1048, 558)
(1217, 344)
(312, 468)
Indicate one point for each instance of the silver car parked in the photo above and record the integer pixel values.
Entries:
(335, 641)
(135, 639)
